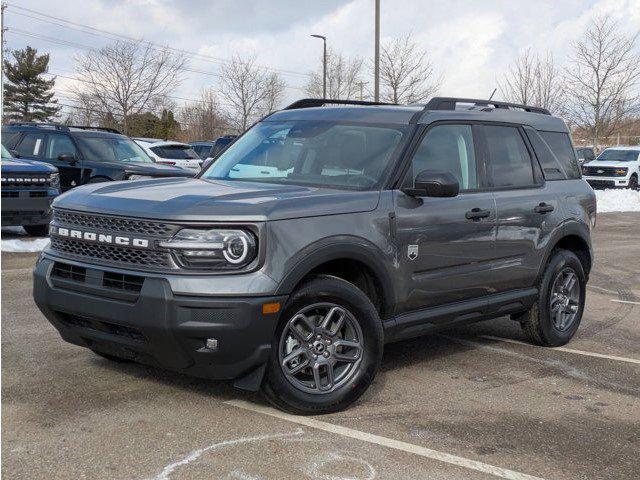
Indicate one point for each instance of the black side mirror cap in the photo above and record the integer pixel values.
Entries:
(67, 157)
(430, 183)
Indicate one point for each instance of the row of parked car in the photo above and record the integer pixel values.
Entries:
(40, 160)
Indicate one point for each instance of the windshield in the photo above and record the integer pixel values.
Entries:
(112, 149)
(5, 153)
(175, 152)
(613, 155)
(323, 153)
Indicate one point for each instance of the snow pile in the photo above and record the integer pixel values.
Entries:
(19, 245)
(618, 200)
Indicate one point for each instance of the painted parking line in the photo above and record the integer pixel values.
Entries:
(625, 301)
(567, 350)
(385, 442)
(606, 290)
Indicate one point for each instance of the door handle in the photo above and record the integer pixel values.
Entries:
(543, 208)
(477, 214)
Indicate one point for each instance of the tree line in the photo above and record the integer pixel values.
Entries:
(130, 86)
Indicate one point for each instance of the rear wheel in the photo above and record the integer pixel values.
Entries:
(555, 317)
(326, 350)
(37, 230)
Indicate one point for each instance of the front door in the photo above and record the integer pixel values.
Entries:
(446, 245)
(70, 167)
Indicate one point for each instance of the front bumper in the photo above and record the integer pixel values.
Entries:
(24, 209)
(607, 182)
(154, 325)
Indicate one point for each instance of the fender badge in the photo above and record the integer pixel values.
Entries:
(412, 252)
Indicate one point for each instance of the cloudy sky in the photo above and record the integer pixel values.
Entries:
(471, 42)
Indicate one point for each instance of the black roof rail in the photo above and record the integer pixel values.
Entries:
(449, 103)
(319, 102)
(103, 129)
(57, 126)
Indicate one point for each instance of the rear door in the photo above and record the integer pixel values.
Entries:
(527, 207)
(445, 245)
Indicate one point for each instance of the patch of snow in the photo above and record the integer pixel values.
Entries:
(18, 245)
(623, 200)
(14, 230)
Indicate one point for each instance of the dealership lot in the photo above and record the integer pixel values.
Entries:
(469, 403)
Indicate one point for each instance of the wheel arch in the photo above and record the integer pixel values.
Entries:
(576, 238)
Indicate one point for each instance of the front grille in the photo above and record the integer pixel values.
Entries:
(10, 194)
(38, 194)
(76, 321)
(114, 224)
(69, 272)
(120, 281)
(24, 181)
(107, 253)
(601, 171)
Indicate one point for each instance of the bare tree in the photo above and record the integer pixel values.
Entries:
(406, 72)
(533, 80)
(343, 77)
(203, 119)
(603, 78)
(250, 91)
(126, 78)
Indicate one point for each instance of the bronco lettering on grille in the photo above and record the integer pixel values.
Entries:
(100, 237)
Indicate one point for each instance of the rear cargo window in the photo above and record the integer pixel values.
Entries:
(560, 145)
(550, 165)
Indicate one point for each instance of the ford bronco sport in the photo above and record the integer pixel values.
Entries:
(325, 231)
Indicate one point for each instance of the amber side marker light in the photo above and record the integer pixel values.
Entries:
(273, 307)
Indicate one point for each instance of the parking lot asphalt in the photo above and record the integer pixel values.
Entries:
(465, 404)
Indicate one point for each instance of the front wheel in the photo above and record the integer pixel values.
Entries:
(326, 350)
(633, 183)
(555, 317)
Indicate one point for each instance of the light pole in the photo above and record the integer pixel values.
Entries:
(324, 64)
(376, 59)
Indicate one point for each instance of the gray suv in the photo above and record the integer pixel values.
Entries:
(325, 231)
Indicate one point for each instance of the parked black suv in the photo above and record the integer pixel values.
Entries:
(84, 154)
(320, 235)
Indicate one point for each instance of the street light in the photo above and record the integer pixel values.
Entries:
(324, 64)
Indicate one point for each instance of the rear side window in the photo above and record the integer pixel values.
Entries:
(175, 152)
(509, 160)
(202, 150)
(31, 145)
(548, 161)
(560, 145)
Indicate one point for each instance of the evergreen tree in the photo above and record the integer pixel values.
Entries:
(167, 128)
(28, 96)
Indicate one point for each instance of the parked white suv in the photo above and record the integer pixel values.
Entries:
(170, 152)
(615, 167)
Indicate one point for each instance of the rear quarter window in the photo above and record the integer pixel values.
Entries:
(551, 166)
(560, 144)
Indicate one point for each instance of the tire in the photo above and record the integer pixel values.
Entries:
(541, 323)
(633, 183)
(37, 230)
(331, 300)
(112, 358)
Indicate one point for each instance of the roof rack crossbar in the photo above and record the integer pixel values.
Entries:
(57, 126)
(104, 129)
(449, 103)
(319, 102)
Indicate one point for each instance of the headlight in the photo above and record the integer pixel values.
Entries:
(133, 176)
(585, 171)
(217, 248)
(54, 180)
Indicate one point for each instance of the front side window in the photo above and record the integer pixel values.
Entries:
(446, 148)
(31, 145)
(509, 160)
(59, 145)
(105, 149)
(322, 153)
(175, 152)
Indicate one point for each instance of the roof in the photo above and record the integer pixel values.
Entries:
(635, 148)
(55, 127)
(161, 143)
(437, 109)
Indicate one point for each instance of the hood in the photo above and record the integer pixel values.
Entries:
(181, 199)
(609, 163)
(22, 165)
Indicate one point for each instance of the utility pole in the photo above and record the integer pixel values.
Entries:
(324, 64)
(376, 60)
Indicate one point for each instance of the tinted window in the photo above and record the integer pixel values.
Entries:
(60, 144)
(446, 148)
(509, 161)
(202, 150)
(175, 152)
(31, 145)
(560, 145)
(99, 149)
(613, 155)
(9, 139)
(550, 165)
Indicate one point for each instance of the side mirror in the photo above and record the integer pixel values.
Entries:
(431, 183)
(14, 153)
(67, 157)
(206, 163)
